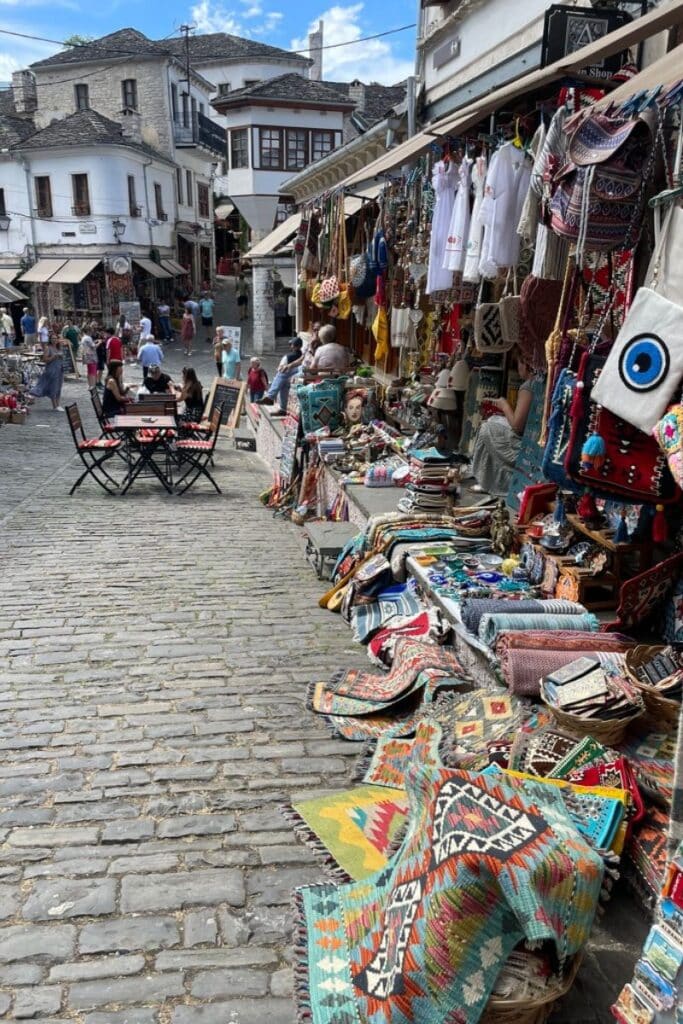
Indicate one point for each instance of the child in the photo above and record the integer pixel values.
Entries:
(257, 380)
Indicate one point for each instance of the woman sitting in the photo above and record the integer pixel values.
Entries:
(115, 397)
(192, 394)
(498, 441)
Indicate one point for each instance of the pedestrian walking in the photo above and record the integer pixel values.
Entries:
(50, 383)
(242, 289)
(89, 358)
(187, 331)
(206, 307)
(71, 334)
(164, 314)
(150, 354)
(231, 365)
(28, 326)
(6, 328)
(218, 351)
(257, 380)
(101, 350)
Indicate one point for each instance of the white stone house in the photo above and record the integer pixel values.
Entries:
(135, 81)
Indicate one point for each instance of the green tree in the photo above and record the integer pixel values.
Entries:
(78, 40)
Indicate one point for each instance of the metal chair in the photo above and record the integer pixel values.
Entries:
(93, 452)
(198, 453)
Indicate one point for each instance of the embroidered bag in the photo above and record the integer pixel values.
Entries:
(510, 327)
(669, 436)
(321, 404)
(600, 191)
(539, 301)
(329, 290)
(559, 432)
(633, 467)
(645, 364)
(488, 331)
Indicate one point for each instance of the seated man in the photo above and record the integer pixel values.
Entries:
(330, 359)
(282, 381)
(156, 382)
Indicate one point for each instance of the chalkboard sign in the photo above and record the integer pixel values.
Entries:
(230, 394)
(70, 365)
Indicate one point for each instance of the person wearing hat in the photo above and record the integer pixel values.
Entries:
(156, 382)
(6, 327)
(282, 381)
(28, 326)
(115, 397)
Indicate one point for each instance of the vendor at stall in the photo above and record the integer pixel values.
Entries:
(497, 442)
(331, 359)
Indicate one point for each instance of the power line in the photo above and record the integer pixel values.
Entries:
(101, 50)
(352, 42)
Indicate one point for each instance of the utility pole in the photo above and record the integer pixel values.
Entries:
(185, 31)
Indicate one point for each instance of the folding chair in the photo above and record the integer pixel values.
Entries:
(99, 410)
(198, 453)
(93, 452)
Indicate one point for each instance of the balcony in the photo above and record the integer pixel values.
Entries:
(200, 131)
(81, 209)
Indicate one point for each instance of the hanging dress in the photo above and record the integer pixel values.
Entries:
(507, 184)
(476, 231)
(444, 178)
(456, 243)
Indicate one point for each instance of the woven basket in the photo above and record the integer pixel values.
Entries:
(663, 709)
(609, 732)
(530, 1011)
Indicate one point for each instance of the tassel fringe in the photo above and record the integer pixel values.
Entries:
(307, 837)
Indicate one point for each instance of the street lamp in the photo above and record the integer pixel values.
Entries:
(5, 222)
(119, 229)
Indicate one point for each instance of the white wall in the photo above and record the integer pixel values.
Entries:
(236, 74)
(13, 243)
(489, 35)
(107, 172)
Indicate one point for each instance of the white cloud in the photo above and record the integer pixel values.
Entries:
(373, 61)
(213, 17)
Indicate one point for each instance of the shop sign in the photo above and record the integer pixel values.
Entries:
(88, 227)
(568, 29)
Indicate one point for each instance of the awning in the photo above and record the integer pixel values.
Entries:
(277, 238)
(10, 294)
(42, 271)
(192, 239)
(657, 20)
(174, 268)
(152, 268)
(352, 204)
(223, 211)
(665, 71)
(74, 271)
(7, 274)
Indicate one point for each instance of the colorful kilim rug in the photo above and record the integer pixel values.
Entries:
(547, 752)
(325, 702)
(387, 762)
(371, 727)
(646, 855)
(351, 830)
(412, 656)
(367, 619)
(471, 721)
(473, 609)
(428, 625)
(652, 760)
(482, 867)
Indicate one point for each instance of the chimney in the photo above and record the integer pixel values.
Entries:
(357, 94)
(24, 92)
(131, 125)
(315, 42)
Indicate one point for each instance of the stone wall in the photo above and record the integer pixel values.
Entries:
(262, 309)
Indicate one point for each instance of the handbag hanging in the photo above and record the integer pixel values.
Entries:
(539, 300)
(559, 432)
(645, 364)
(510, 325)
(488, 329)
(609, 455)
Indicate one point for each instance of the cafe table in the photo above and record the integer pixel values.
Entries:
(142, 449)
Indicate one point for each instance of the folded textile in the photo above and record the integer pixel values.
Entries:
(473, 609)
(483, 866)
(428, 625)
(492, 625)
(646, 855)
(549, 752)
(367, 619)
(523, 669)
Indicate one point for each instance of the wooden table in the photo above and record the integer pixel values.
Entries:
(141, 453)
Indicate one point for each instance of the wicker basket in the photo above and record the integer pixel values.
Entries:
(610, 732)
(530, 1011)
(663, 709)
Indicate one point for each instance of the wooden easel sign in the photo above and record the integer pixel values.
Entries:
(230, 394)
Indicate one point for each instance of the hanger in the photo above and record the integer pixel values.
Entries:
(517, 140)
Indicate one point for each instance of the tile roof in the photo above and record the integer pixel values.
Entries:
(222, 46)
(14, 130)
(379, 100)
(116, 44)
(84, 128)
(291, 87)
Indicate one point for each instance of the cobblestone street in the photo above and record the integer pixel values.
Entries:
(155, 653)
(154, 657)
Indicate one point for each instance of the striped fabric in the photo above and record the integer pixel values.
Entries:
(493, 624)
(97, 443)
(475, 608)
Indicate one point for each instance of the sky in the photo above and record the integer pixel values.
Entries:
(283, 23)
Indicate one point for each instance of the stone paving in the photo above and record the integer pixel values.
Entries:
(154, 656)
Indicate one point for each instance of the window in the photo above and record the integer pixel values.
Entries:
(159, 202)
(297, 148)
(239, 148)
(82, 96)
(129, 93)
(189, 195)
(223, 88)
(323, 143)
(186, 110)
(179, 184)
(81, 195)
(202, 109)
(43, 197)
(133, 208)
(3, 211)
(271, 148)
(203, 200)
(194, 110)
(174, 101)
